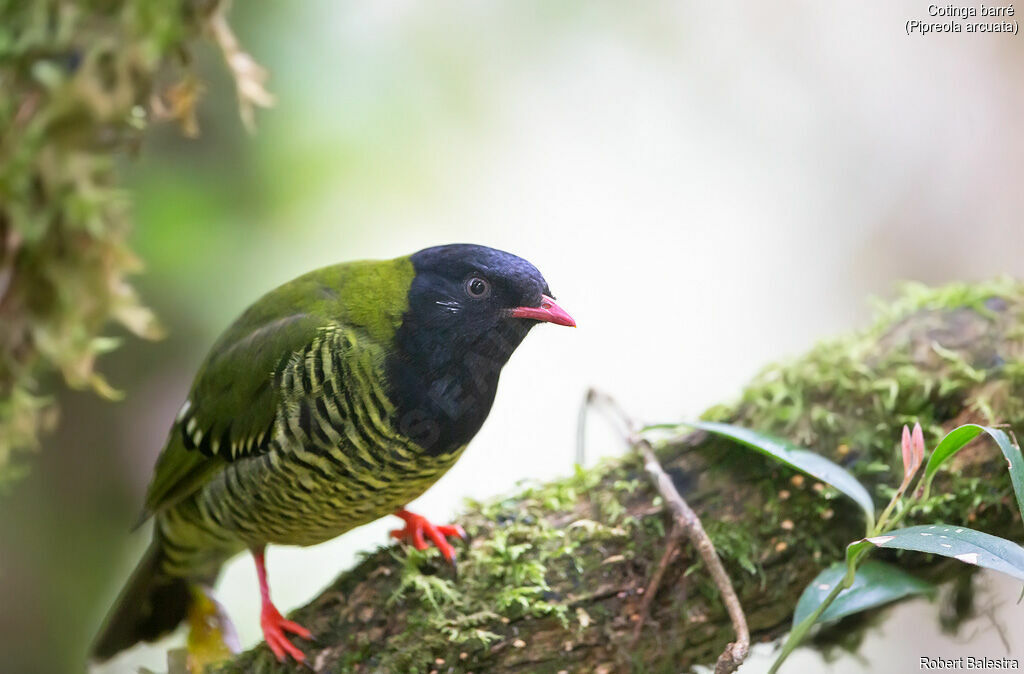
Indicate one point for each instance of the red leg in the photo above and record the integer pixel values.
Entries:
(417, 525)
(273, 623)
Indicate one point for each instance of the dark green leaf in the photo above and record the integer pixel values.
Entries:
(959, 437)
(875, 584)
(967, 545)
(803, 460)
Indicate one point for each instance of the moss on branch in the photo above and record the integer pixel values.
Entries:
(553, 577)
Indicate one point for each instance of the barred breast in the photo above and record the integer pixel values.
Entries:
(336, 460)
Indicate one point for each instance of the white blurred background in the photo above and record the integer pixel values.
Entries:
(707, 188)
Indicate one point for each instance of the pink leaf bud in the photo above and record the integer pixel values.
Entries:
(917, 445)
(908, 453)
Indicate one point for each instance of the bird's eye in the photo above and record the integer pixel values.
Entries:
(477, 288)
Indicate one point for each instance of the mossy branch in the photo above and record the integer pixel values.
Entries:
(555, 577)
(79, 82)
(686, 522)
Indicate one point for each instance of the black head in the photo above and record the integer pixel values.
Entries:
(469, 308)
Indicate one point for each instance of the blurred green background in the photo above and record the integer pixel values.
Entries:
(706, 188)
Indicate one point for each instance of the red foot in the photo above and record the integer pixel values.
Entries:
(273, 623)
(274, 626)
(417, 525)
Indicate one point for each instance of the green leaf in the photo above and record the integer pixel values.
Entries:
(875, 584)
(959, 437)
(803, 460)
(967, 545)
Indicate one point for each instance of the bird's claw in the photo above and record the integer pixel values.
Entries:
(418, 529)
(274, 627)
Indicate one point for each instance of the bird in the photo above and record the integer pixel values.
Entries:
(335, 399)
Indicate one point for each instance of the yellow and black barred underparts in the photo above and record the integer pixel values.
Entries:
(333, 460)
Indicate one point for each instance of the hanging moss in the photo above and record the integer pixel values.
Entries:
(79, 82)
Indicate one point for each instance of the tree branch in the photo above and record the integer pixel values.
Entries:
(561, 577)
(688, 522)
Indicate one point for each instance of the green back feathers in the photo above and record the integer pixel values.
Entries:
(374, 295)
(370, 295)
(233, 403)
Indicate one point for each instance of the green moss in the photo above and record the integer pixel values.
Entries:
(520, 548)
(544, 552)
(735, 544)
(842, 399)
(915, 297)
(433, 591)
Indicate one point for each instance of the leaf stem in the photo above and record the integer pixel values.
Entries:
(801, 630)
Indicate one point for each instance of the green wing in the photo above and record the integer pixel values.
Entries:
(230, 411)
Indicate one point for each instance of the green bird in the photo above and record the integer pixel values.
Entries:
(335, 399)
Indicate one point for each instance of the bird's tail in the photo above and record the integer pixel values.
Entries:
(151, 605)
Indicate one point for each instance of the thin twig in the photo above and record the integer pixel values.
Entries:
(671, 545)
(581, 428)
(736, 652)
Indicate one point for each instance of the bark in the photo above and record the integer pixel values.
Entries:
(554, 578)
